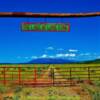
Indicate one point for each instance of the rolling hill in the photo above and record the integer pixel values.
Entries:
(96, 61)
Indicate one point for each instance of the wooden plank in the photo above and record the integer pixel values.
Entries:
(30, 14)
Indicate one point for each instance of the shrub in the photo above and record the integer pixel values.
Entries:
(3, 89)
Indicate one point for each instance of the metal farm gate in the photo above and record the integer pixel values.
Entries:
(41, 76)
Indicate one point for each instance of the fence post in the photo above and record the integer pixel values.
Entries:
(53, 77)
(70, 77)
(12, 76)
(4, 73)
(19, 75)
(89, 77)
(35, 74)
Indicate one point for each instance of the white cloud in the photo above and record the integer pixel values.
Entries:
(70, 55)
(44, 56)
(51, 56)
(59, 55)
(73, 50)
(66, 55)
(50, 48)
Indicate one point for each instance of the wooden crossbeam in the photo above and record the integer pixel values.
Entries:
(36, 15)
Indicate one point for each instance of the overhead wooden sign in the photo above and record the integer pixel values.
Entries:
(45, 27)
(43, 15)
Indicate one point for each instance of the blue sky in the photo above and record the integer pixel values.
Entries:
(81, 43)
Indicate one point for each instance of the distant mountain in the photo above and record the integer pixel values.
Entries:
(49, 61)
(57, 61)
(96, 61)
